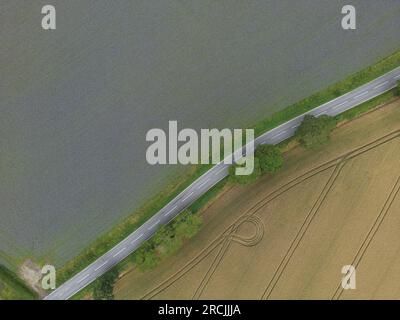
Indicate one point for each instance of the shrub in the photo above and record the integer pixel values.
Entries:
(245, 179)
(270, 156)
(314, 132)
(167, 240)
(104, 286)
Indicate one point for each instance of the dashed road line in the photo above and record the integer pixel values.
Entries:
(279, 134)
(119, 252)
(137, 238)
(154, 224)
(381, 85)
(203, 183)
(170, 211)
(187, 197)
(83, 278)
(103, 264)
(339, 105)
(220, 170)
(361, 94)
(397, 77)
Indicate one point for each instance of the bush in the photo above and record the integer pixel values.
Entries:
(314, 132)
(167, 240)
(270, 156)
(104, 286)
(245, 179)
(398, 88)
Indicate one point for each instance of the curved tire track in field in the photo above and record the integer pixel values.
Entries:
(262, 203)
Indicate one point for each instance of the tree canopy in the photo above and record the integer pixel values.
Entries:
(167, 240)
(245, 179)
(104, 286)
(270, 156)
(314, 132)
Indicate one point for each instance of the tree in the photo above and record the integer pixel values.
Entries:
(187, 225)
(245, 179)
(104, 286)
(167, 240)
(314, 132)
(270, 156)
(398, 88)
(146, 257)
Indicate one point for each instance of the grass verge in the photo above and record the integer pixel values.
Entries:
(13, 288)
(128, 225)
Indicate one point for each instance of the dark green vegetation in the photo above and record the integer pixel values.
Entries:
(12, 287)
(103, 287)
(213, 192)
(267, 159)
(130, 224)
(245, 179)
(314, 132)
(366, 106)
(167, 240)
(398, 88)
(329, 93)
(271, 159)
(127, 226)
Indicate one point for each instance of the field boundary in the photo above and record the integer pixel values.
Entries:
(225, 236)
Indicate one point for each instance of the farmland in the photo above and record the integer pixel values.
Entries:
(76, 104)
(287, 236)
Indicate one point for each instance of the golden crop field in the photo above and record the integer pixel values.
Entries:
(288, 236)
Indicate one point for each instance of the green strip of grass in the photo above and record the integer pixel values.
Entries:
(366, 106)
(128, 225)
(12, 287)
(214, 191)
(352, 82)
(123, 229)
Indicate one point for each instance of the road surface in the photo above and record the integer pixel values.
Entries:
(209, 179)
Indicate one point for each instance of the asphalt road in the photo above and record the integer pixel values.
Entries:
(208, 180)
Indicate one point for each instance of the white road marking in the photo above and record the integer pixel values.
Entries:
(220, 170)
(296, 126)
(84, 277)
(361, 94)
(279, 134)
(170, 211)
(203, 183)
(104, 263)
(187, 197)
(154, 224)
(381, 85)
(62, 291)
(339, 105)
(119, 252)
(137, 238)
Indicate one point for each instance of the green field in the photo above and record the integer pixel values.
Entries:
(12, 288)
(107, 241)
